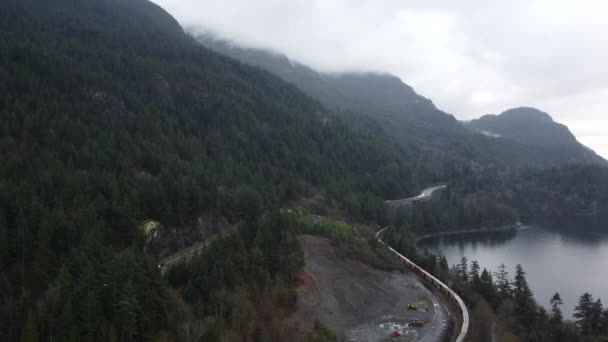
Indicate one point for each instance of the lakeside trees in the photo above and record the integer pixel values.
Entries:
(591, 318)
(509, 304)
(516, 311)
(448, 211)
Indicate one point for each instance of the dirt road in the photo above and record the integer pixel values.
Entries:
(360, 303)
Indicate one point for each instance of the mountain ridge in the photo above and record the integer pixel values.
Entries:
(413, 120)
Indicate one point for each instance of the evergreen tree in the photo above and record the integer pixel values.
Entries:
(474, 275)
(556, 317)
(90, 316)
(596, 317)
(443, 269)
(443, 264)
(604, 323)
(502, 282)
(541, 325)
(525, 307)
(486, 287)
(128, 312)
(583, 313)
(463, 273)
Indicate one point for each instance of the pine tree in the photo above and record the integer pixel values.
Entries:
(604, 323)
(474, 275)
(443, 264)
(90, 315)
(583, 313)
(443, 269)
(502, 282)
(128, 311)
(525, 307)
(556, 317)
(463, 270)
(486, 287)
(596, 317)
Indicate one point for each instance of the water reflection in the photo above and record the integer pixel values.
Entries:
(589, 231)
(469, 240)
(567, 254)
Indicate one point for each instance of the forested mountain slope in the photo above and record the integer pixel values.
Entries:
(446, 147)
(111, 115)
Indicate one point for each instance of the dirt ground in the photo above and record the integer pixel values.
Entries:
(360, 303)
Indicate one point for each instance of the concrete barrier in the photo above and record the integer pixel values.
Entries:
(455, 298)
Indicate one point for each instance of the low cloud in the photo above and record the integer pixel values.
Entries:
(471, 57)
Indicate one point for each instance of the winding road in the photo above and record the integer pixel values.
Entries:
(453, 296)
(424, 196)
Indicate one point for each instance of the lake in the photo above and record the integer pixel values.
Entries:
(568, 255)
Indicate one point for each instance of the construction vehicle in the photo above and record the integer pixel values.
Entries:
(417, 323)
(421, 305)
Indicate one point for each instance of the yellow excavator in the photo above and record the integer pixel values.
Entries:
(418, 305)
(417, 323)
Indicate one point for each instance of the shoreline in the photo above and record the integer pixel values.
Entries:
(506, 228)
(560, 214)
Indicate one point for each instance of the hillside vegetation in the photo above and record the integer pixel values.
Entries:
(114, 122)
(112, 116)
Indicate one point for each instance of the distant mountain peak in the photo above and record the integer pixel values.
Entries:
(532, 127)
(527, 113)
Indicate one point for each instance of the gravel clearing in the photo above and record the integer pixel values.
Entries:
(360, 303)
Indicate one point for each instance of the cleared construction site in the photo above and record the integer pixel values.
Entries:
(361, 303)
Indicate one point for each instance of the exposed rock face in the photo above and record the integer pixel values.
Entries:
(167, 240)
(162, 86)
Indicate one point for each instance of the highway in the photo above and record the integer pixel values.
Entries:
(426, 195)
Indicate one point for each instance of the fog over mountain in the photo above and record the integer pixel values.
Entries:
(470, 57)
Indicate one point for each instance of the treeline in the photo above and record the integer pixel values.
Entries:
(569, 189)
(448, 211)
(504, 308)
(510, 306)
(566, 190)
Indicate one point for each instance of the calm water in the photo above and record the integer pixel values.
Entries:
(566, 254)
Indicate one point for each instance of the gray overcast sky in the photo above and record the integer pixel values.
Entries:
(471, 57)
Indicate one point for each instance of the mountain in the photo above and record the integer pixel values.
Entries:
(381, 95)
(534, 128)
(444, 146)
(110, 117)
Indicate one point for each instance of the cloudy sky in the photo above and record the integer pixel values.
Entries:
(471, 57)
